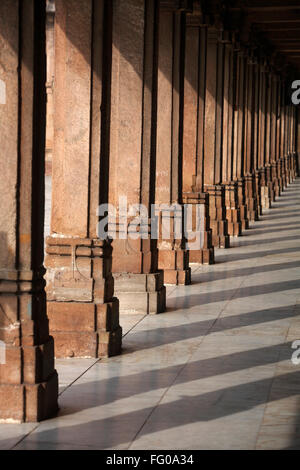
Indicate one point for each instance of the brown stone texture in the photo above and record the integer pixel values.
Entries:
(79, 278)
(205, 254)
(213, 141)
(193, 138)
(133, 154)
(28, 380)
(173, 258)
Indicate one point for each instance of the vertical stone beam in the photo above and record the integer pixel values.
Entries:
(268, 161)
(28, 380)
(250, 141)
(293, 145)
(138, 283)
(83, 313)
(256, 111)
(213, 139)
(240, 135)
(50, 16)
(274, 104)
(298, 140)
(283, 137)
(193, 134)
(265, 190)
(231, 193)
(278, 134)
(173, 256)
(296, 169)
(286, 144)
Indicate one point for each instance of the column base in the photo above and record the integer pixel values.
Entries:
(251, 198)
(265, 197)
(82, 310)
(205, 256)
(258, 191)
(232, 210)
(29, 403)
(252, 210)
(140, 293)
(217, 212)
(293, 166)
(175, 265)
(85, 329)
(177, 277)
(234, 225)
(241, 190)
(220, 237)
(28, 380)
(206, 253)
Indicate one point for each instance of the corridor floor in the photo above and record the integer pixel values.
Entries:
(213, 372)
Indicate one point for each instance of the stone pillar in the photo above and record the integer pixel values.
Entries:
(213, 139)
(50, 17)
(28, 380)
(268, 162)
(278, 134)
(265, 190)
(298, 140)
(139, 284)
(239, 147)
(274, 129)
(256, 130)
(286, 144)
(283, 137)
(193, 132)
(250, 140)
(83, 313)
(293, 143)
(231, 187)
(173, 256)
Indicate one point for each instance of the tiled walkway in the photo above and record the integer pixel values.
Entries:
(213, 372)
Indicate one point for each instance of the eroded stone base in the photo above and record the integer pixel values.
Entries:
(29, 403)
(140, 293)
(217, 212)
(85, 329)
(205, 256)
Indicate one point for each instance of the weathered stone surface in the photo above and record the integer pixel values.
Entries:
(132, 145)
(28, 381)
(173, 258)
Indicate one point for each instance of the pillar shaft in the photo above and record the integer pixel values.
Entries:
(213, 138)
(239, 134)
(139, 285)
(250, 141)
(231, 193)
(28, 381)
(193, 133)
(173, 256)
(83, 313)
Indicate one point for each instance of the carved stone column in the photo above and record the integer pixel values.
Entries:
(173, 258)
(139, 284)
(239, 135)
(50, 18)
(83, 312)
(250, 147)
(28, 380)
(269, 137)
(193, 131)
(264, 187)
(231, 188)
(278, 134)
(212, 139)
(283, 138)
(274, 130)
